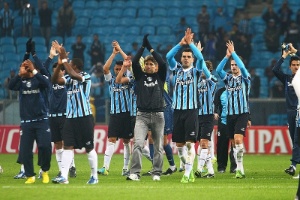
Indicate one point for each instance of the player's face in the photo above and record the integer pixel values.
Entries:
(150, 67)
(295, 64)
(234, 68)
(187, 59)
(117, 69)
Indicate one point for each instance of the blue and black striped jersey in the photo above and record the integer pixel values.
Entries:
(206, 92)
(78, 96)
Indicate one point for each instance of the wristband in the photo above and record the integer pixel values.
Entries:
(34, 72)
(151, 50)
(64, 60)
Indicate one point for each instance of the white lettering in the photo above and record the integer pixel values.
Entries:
(99, 140)
(264, 137)
(10, 137)
(278, 141)
(251, 140)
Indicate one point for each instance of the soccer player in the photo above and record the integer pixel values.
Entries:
(220, 102)
(237, 85)
(150, 105)
(296, 85)
(206, 92)
(185, 101)
(33, 89)
(120, 120)
(78, 130)
(291, 104)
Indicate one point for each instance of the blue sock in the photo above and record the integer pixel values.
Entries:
(169, 154)
(151, 150)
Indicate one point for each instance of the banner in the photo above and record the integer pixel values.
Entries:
(258, 140)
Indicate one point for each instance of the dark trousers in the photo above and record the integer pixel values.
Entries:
(222, 149)
(294, 136)
(38, 131)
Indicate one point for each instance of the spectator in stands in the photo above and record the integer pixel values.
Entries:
(134, 49)
(97, 79)
(292, 34)
(245, 25)
(221, 47)
(209, 50)
(298, 17)
(45, 14)
(164, 51)
(27, 14)
(7, 20)
(277, 89)
(180, 28)
(285, 14)
(268, 70)
(221, 20)
(10, 94)
(270, 14)
(65, 19)
(234, 32)
(255, 84)
(78, 48)
(244, 47)
(97, 51)
(271, 36)
(203, 20)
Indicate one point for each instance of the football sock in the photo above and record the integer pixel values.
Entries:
(58, 154)
(198, 156)
(66, 160)
(189, 158)
(93, 161)
(239, 157)
(209, 164)
(108, 154)
(146, 153)
(126, 155)
(203, 156)
(22, 168)
(169, 154)
(151, 148)
(181, 154)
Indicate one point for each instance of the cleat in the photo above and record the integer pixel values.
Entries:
(192, 177)
(30, 180)
(72, 172)
(20, 175)
(169, 171)
(156, 178)
(232, 171)
(221, 170)
(149, 173)
(181, 169)
(291, 170)
(184, 179)
(103, 171)
(58, 175)
(238, 174)
(92, 180)
(125, 172)
(204, 170)
(296, 177)
(45, 177)
(60, 180)
(208, 175)
(198, 174)
(133, 177)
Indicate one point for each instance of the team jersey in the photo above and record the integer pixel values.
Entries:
(58, 100)
(119, 96)
(237, 87)
(220, 102)
(206, 90)
(78, 96)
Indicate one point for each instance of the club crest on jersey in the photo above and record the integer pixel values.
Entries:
(28, 84)
(149, 79)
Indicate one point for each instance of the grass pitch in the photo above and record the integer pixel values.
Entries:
(265, 179)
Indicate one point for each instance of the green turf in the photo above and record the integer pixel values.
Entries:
(265, 179)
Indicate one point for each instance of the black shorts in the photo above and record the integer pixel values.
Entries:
(120, 126)
(206, 127)
(133, 119)
(56, 126)
(237, 124)
(185, 125)
(79, 132)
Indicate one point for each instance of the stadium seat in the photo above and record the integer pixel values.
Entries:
(133, 30)
(175, 12)
(82, 21)
(39, 40)
(59, 39)
(276, 119)
(115, 12)
(132, 4)
(7, 40)
(99, 13)
(78, 4)
(118, 4)
(8, 48)
(129, 13)
(110, 22)
(96, 22)
(148, 30)
(118, 31)
(104, 5)
(175, 4)
(91, 4)
(163, 30)
(8, 56)
(21, 48)
(80, 30)
(144, 12)
(159, 12)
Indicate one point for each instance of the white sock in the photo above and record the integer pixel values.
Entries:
(22, 168)
(181, 154)
(146, 152)
(235, 154)
(198, 156)
(73, 163)
(58, 154)
(189, 158)
(66, 160)
(209, 164)
(239, 157)
(203, 156)
(110, 148)
(93, 161)
(126, 155)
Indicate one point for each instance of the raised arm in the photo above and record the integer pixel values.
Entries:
(108, 63)
(277, 67)
(220, 67)
(120, 78)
